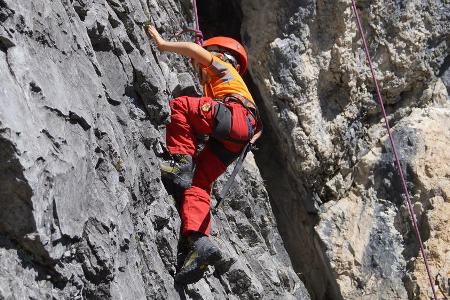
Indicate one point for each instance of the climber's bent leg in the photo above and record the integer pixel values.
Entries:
(196, 206)
(190, 116)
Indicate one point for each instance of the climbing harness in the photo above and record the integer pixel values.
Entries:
(223, 123)
(253, 111)
(394, 150)
(222, 130)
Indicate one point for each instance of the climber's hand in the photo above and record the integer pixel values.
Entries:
(188, 49)
(156, 36)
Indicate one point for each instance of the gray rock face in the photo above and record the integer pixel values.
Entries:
(83, 210)
(84, 97)
(320, 106)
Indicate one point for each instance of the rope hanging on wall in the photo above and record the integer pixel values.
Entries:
(394, 150)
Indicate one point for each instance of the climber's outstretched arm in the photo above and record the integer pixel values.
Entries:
(192, 50)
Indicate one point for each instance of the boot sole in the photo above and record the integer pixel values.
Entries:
(183, 180)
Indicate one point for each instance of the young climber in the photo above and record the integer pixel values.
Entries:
(227, 113)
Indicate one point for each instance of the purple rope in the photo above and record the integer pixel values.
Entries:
(399, 168)
(199, 35)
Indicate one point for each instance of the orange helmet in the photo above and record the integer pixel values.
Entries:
(233, 46)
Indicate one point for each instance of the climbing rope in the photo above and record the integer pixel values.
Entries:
(199, 35)
(197, 32)
(394, 150)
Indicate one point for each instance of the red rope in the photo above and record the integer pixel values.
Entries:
(399, 168)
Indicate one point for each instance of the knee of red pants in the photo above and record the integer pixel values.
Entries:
(208, 168)
(195, 212)
(180, 138)
(179, 103)
(190, 116)
(197, 202)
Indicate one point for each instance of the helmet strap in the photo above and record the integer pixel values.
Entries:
(231, 59)
(226, 56)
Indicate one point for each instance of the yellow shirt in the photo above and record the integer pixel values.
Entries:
(223, 79)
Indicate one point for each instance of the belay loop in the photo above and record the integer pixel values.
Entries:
(394, 150)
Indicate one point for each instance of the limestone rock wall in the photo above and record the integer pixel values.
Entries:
(84, 213)
(323, 122)
(84, 96)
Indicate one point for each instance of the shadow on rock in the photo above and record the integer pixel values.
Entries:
(16, 209)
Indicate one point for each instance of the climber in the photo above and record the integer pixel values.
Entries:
(228, 115)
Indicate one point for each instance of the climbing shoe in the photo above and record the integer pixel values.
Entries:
(183, 248)
(202, 253)
(180, 170)
(223, 265)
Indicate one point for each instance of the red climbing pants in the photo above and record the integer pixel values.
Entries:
(192, 117)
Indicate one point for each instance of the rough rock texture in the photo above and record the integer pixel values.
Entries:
(84, 213)
(351, 238)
